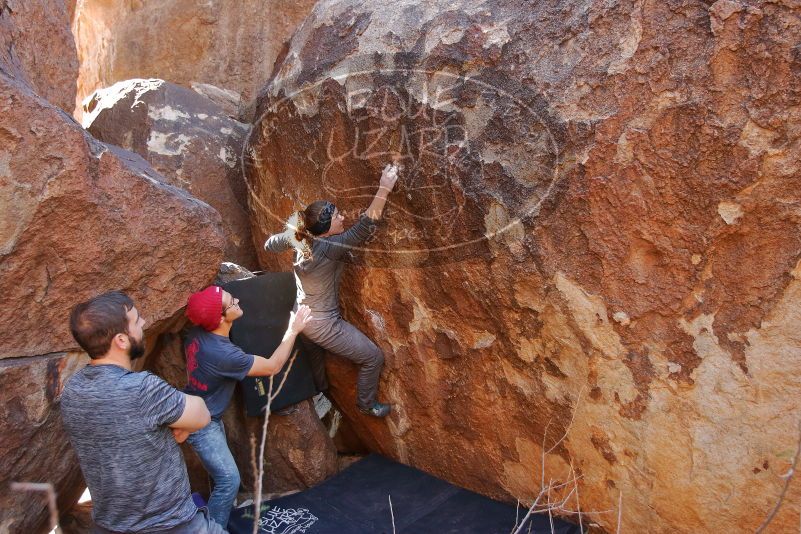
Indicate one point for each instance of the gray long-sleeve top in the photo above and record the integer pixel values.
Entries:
(318, 278)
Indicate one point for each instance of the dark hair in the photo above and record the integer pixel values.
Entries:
(311, 222)
(94, 323)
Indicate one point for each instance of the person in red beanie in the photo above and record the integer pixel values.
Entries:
(213, 366)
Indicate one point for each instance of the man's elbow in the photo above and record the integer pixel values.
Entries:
(263, 367)
(201, 415)
(271, 367)
(205, 417)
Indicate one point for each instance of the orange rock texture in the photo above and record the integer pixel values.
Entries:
(77, 217)
(37, 48)
(188, 139)
(81, 217)
(231, 44)
(595, 233)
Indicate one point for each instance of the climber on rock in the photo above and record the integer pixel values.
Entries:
(213, 366)
(125, 425)
(320, 241)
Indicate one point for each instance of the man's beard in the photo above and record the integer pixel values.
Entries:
(137, 349)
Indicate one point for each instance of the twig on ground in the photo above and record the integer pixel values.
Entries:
(48, 489)
(558, 505)
(578, 502)
(619, 511)
(517, 528)
(570, 424)
(788, 477)
(391, 513)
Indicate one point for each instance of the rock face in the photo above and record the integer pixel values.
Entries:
(187, 138)
(77, 217)
(37, 48)
(80, 217)
(228, 43)
(34, 447)
(299, 453)
(598, 219)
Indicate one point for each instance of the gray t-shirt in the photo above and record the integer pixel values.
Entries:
(318, 277)
(117, 422)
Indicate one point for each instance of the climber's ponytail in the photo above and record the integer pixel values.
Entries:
(304, 226)
(299, 237)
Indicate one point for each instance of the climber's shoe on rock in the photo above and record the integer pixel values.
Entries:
(378, 409)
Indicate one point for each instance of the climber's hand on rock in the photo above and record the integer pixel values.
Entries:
(299, 319)
(388, 177)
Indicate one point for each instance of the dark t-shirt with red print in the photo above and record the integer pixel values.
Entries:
(213, 367)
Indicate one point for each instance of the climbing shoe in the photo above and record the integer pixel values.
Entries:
(378, 409)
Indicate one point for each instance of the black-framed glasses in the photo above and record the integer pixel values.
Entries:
(234, 302)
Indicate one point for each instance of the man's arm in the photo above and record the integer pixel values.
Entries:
(388, 178)
(162, 404)
(273, 365)
(194, 417)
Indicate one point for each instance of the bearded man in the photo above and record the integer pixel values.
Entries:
(125, 427)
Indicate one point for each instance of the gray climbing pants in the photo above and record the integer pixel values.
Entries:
(339, 337)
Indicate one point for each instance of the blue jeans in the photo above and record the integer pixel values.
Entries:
(210, 445)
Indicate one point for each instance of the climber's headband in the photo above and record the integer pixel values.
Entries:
(323, 223)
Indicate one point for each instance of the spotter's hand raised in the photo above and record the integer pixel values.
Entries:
(299, 319)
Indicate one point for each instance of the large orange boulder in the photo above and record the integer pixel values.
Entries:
(81, 217)
(231, 44)
(188, 139)
(595, 233)
(77, 218)
(37, 48)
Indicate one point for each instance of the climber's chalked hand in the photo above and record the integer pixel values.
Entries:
(389, 177)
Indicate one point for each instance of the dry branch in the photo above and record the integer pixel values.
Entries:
(556, 496)
(270, 397)
(788, 477)
(392, 513)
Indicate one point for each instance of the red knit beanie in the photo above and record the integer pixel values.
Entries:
(204, 308)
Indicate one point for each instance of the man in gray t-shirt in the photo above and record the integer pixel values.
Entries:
(125, 427)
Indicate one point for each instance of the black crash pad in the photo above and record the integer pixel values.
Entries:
(267, 300)
(355, 501)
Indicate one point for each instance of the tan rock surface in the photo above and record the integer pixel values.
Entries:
(37, 48)
(231, 44)
(188, 139)
(597, 216)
